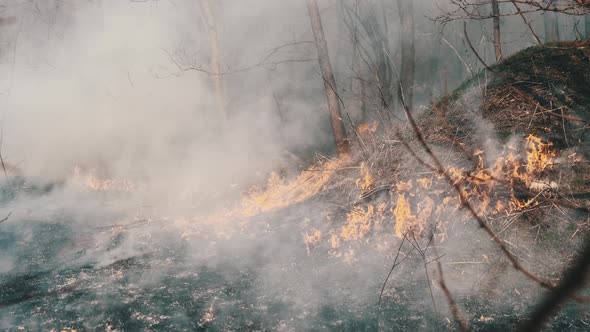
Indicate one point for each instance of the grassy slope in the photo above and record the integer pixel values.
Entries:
(523, 91)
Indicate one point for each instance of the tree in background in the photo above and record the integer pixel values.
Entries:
(342, 144)
(551, 25)
(549, 9)
(372, 46)
(379, 57)
(408, 49)
(215, 57)
(389, 68)
(497, 39)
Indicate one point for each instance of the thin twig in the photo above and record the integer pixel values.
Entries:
(358, 136)
(264, 62)
(390, 271)
(6, 218)
(519, 12)
(473, 48)
(463, 324)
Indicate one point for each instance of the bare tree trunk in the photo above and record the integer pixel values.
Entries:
(363, 95)
(551, 27)
(550, 21)
(434, 64)
(381, 54)
(497, 40)
(215, 60)
(445, 88)
(587, 25)
(357, 104)
(406, 12)
(342, 144)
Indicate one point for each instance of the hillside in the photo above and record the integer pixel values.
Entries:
(543, 90)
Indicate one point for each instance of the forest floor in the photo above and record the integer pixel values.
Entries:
(355, 243)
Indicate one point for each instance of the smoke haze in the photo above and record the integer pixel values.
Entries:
(119, 90)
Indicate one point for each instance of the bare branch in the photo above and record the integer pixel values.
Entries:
(440, 169)
(264, 62)
(574, 279)
(6, 218)
(463, 324)
(473, 48)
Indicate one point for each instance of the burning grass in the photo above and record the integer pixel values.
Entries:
(406, 198)
(536, 155)
(92, 180)
(280, 193)
(524, 173)
(508, 185)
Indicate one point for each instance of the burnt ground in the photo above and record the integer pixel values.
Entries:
(263, 281)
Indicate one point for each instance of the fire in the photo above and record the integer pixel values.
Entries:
(312, 238)
(96, 183)
(334, 241)
(540, 156)
(208, 316)
(517, 204)
(279, 193)
(489, 188)
(524, 172)
(405, 186)
(424, 183)
(358, 223)
(365, 181)
(404, 219)
(485, 202)
(367, 129)
(500, 208)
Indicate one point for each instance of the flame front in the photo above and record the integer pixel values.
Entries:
(92, 181)
(413, 205)
(279, 193)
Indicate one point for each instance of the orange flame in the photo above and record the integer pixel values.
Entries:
(540, 156)
(280, 193)
(312, 238)
(365, 181)
(93, 182)
(404, 219)
(367, 129)
(358, 223)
